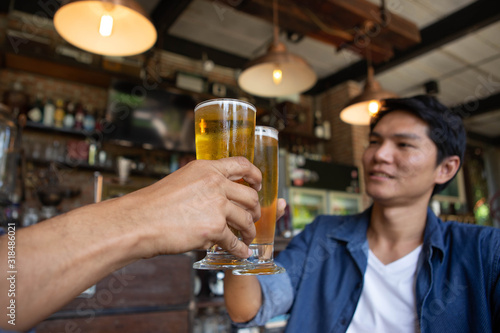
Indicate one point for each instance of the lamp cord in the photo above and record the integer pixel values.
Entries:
(383, 15)
(275, 21)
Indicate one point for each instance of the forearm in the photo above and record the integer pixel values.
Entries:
(243, 297)
(59, 258)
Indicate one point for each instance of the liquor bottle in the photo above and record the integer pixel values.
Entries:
(327, 130)
(36, 112)
(69, 117)
(79, 116)
(48, 113)
(89, 119)
(319, 131)
(99, 119)
(59, 113)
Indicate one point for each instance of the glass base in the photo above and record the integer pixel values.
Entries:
(262, 258)
(261, 269)
(219, 261)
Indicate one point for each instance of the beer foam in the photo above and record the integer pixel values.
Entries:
(266, 131)
(225, 102)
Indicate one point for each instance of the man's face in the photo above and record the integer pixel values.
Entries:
(400, 161)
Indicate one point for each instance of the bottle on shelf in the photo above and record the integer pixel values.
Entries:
(319, 130)
(99, 119)
(59, 113)
(89, 119)
(92, 153)
(48, 113)
(327, 130)
(79, 116)
(35, 114)
(69, 117)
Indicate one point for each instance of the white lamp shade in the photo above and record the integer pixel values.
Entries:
(257, 78)
(356, 114)
(78, 23)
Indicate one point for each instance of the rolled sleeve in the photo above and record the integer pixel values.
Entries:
(277, 299)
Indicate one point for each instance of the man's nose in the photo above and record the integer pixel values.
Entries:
(384, 152)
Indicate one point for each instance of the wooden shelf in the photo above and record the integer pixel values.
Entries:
(74, 72)
(205, 302)
(86, 134)
(61, 130)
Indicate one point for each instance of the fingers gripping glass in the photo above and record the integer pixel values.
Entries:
(224, 128)
(266, 159)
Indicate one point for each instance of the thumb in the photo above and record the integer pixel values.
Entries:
(233, 245)
(280, 208)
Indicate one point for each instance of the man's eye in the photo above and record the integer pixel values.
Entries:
(373, 142)
(404, 144)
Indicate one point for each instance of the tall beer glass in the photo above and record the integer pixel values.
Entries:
(266, 159)
(224, 128)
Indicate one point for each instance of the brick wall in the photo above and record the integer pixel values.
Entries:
(347, 141)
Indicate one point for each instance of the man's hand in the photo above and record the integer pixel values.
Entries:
(193, 207)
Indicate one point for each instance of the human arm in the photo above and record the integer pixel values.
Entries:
(59, 258)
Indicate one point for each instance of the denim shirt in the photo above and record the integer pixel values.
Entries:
(457, 286)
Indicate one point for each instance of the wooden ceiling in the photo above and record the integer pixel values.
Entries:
(347, 25)
(358, 25)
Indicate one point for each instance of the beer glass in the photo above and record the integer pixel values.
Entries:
(266, 159)
(224, 128)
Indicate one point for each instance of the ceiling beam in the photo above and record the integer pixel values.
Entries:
(166, 12)
(495, 141)
(478, 106)
(352, 15)
(339, 23)
(466, 20)
(195, 51)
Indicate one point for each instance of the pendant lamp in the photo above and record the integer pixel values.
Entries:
(278, 72)
(361, 109)
(108, 27)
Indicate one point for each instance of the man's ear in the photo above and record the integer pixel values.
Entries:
(447, 169)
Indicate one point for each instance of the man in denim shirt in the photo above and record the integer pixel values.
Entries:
(395, 267)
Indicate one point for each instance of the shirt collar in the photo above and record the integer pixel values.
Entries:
(353, 230)
(433, 235)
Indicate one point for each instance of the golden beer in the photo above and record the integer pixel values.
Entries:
(224, 132)
(224, 128)
(266, 159)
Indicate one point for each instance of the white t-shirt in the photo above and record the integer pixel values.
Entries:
(387, 302)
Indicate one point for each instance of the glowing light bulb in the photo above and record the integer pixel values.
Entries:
(203, 126)
(277, 76)
(373, 107)
(106, 25)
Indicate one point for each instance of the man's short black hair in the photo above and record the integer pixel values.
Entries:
(446, 129)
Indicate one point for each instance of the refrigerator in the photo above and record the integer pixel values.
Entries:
(314, 188)
(305, 204)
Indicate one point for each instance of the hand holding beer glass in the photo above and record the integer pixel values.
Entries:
(266, 159)
(224, 128)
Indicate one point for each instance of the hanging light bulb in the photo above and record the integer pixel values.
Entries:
(361, 109)
(106, 26)
(256, 76)
(373, 107)
(277, 76)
